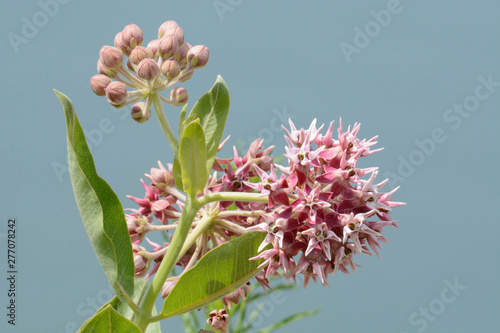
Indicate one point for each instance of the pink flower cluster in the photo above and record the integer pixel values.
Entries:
(333, 214)
(321, 211)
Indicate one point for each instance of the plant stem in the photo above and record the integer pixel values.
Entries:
(165, 126)
(232, 196)
(180, 244)
(168, 262)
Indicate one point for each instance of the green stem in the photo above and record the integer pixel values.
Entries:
(168, 262)
(180, 245)
(165, 126)
(232, 196)
(203, 225)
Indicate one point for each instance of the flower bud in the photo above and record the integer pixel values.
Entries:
(167, 287)
(197, 56)
(101, 69)
(139, 53)
(171, 30)
(141, 264)
(170, 68)
(98, 84)
(186, 76)
(110, 56)
(161, 179)
(148, 69)
(166, 26)
(136, 223)
(120, 44)
(179, 96)
(140, 113)
(116, 92)
(153, 47)
(219, 320)
(181, 56)
(168, 47)
(132, 36)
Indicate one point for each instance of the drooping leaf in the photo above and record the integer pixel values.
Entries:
(109, 320)
(219, 272)
(212, 109)
(192, 159)
(100, 208)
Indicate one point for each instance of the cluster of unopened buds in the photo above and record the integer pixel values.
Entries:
(159, 66)
(321, 209)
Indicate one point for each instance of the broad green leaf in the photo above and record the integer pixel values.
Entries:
(192, 158)
(101, 211)
(177, 172)
(140, 288)
(109, 320)
(219, 272)
(212, 109)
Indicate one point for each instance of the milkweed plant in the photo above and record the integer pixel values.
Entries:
(225, 221)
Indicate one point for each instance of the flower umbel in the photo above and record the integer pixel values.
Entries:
(165, 62)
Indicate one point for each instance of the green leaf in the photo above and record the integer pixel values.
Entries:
(100, 209)
(182, 118)
(192, 158)
(212, 109)
(219, 272)
(177, 172)
(109, 320)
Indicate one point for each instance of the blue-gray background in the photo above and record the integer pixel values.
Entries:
(278, 57)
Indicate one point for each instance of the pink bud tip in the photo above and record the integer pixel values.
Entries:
(140, 112)
(179, 96)
(153, 47)
(111, 57)
(98, 84)
(172, 30)
(116, 92)
(197, 56)
(120, 44)
(148, 69)
(101, 69)
(166, 26)
(170, 68)
(168, 47)
(139, 53)
(132, 36)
